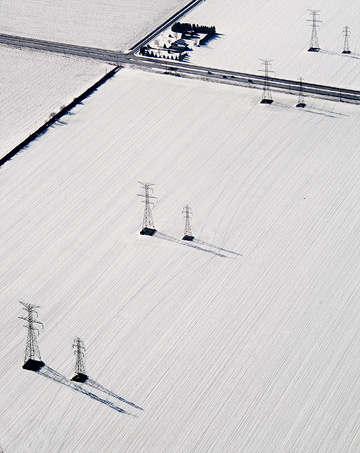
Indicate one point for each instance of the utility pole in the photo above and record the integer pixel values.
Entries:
(32, 360)
(314, 42)
(267, 98)
(301, 102)
(148, 227)
(188, 236)
(346, 33)
(80, 373)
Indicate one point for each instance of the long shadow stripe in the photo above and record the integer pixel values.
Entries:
(52, 374)
(97, 386)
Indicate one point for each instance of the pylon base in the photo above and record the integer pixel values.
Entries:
(301, 105)
(314, 49)
(266, 101)
(346, 51)
(188, 238)
(148, 231)
(33, 365)
(80, 377)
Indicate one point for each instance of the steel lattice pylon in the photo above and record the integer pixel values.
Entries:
(79, 349)
(32, 352)
(314, 42)
(187, 213)
(301, 102)
(148, 226)
(267, 97)
(346, 32)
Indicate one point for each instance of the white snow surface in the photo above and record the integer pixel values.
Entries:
(108, 24)
(279, 31)
(35, 84)
(246, 340)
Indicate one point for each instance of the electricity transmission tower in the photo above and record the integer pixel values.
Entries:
(314, 42)
(80, 373)
(148, 227)
(346, 32)
(32, 353)
(188, 236)
(267, 98)
(301, 102)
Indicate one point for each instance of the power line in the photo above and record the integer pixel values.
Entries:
(32, 352)
(187, 213)
(267, 97)
(79, 350)
(148, 227)
(346, 33)
(314, 42)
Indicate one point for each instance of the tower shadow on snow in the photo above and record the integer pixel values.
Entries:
(197, 241)
(314, 110)
(55, 376)
(328, 52)
(91, 383)
(356, 56)
(192, 244)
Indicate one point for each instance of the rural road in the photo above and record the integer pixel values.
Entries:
(182, 69)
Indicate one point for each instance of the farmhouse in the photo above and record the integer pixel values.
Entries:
(179, 46)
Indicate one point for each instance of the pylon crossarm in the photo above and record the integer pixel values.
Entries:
(33, 321)
(148, 202)
(148, 196)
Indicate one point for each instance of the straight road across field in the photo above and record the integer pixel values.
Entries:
(182, 69)
(109, 56)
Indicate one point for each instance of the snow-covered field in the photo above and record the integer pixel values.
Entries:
(246, 340)
(35, 84)
(279, 31)
(109, 24)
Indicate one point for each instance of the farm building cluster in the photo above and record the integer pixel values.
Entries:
(181, 39)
